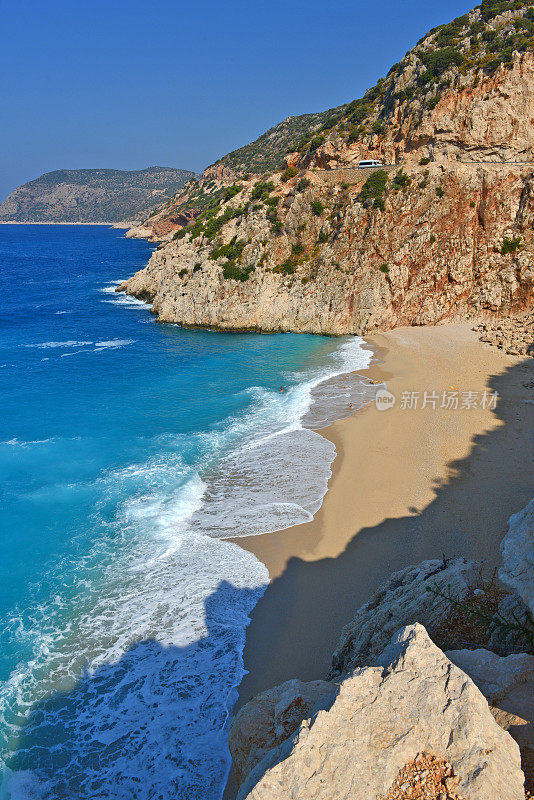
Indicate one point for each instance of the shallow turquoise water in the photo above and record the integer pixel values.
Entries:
(128, 451)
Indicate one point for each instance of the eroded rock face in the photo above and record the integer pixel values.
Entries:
(517, 550)
(508, 685)
(496, 676)
(425, 259)
(402, 600)
(269, 718)
(454, 241)
(412, 700)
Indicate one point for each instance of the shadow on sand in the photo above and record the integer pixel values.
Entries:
(121, 731)
(296, 624)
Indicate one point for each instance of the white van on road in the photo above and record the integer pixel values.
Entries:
(370, 163)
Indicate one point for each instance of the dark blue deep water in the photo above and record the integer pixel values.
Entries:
(128, 452)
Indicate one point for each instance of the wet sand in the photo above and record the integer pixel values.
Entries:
(407, 485)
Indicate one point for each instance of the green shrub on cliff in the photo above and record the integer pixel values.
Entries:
(232, 271)
(302, 185)
(232, 191)
(276, 224)
(375, 186)
(316, 142)
(288, 173)
(448, 33)
(261, 190)
(401, 180)
(510, 245)
(439, 61)
(490, 8)
(232, 251)
(196, 229)
(317, 207)
(355, 134)
(285, 268)
(214, 224)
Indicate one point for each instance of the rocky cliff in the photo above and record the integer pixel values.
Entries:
(93, 195)
(444, 232)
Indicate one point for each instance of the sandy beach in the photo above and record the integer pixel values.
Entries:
(407, 485)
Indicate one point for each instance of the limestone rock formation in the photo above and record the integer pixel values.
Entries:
(269, 718)
(445, 232)
(517, 550)
(413, 700)
(497, 677)
(508, 685)
(402, 600)
(514, 335)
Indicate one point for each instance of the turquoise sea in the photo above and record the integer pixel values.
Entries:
(129, 453)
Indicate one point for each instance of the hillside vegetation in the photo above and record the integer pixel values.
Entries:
(443, 231)
(466, 51)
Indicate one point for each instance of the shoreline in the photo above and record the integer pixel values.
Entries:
(406, 486)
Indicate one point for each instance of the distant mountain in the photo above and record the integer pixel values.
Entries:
(93, 195)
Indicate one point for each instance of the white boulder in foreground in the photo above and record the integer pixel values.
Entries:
(517, 550)
(412, 700)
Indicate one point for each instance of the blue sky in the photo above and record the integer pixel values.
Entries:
(131, 84)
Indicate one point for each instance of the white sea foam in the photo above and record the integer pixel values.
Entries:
(159, 647)
(97, 346)
(133, 671)
(18, 443)
(276, 473)
(47, 345)
(129, 302)
(113, 343)
(123, 299)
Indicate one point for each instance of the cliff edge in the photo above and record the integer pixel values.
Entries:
(442, 232)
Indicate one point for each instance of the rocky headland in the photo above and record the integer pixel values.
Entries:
(443, 232)
(93, 195)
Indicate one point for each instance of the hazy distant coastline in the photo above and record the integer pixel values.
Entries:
(111, 224)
